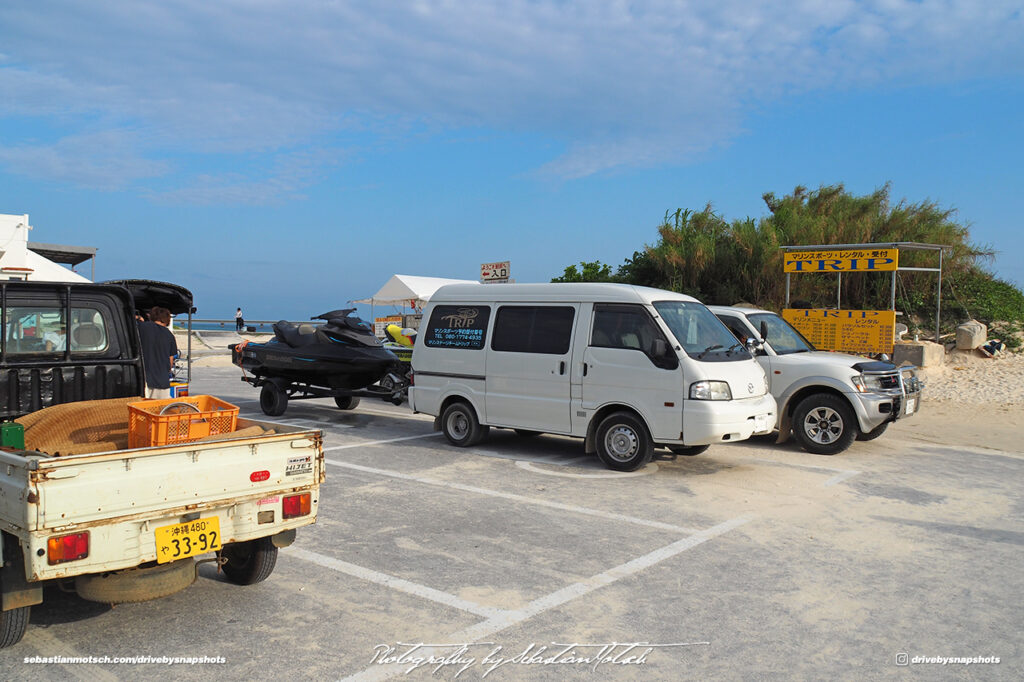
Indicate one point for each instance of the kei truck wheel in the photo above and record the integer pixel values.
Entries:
(137, 584)
(249, 562)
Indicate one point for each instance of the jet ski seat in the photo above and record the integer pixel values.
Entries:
(295, 335)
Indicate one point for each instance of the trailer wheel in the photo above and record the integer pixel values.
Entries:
(273, 399)
(687, 450)
(12, 625)
(623, 443)
(461, 427)
(346, 402)
(249, 562)
(137, 584)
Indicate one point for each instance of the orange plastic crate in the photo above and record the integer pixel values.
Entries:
(179, 423)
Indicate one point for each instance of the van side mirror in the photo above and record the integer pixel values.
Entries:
(659, 348)
(764, 330)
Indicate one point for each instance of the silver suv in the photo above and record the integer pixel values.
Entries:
(825, 399)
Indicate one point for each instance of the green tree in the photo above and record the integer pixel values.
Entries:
(594, 271)
(702, 254)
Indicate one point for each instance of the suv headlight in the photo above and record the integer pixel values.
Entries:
(867, 383)
(710, 390)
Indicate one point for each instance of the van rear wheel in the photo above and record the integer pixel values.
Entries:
(623, 443)
(461, 427)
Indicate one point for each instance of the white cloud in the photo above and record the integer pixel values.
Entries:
(108, 160)
(620, 83)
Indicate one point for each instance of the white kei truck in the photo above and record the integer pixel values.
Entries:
(626, 368)
(128, 525)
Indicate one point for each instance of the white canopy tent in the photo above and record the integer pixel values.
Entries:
(409, 290)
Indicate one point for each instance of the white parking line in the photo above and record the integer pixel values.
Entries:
(841, 474)
(48, 645)
(528, 466)
(511, 496)
(368, 443)
(396, 583)
(508, 619)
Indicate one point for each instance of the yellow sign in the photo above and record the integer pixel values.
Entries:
(852, 331)
(842, 260)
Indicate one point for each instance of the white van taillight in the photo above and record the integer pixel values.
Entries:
(295, 506)
(412, 378)
(67, 548)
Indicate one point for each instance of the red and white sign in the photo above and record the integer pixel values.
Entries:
(495, 272)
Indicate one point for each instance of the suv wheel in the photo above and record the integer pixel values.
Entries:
(824, 424)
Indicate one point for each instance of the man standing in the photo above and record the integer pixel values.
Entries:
(239, 322)
(158, 351)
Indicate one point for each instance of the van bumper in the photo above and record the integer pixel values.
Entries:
(706, 422)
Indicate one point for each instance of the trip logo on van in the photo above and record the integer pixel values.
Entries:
(465, 317)
(457, 327)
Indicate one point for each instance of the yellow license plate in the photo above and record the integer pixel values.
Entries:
(187, 539)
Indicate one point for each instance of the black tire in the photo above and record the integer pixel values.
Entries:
(526, 433)
(461, 427)
(346, 402)
(12, 625)
(249, 562)
(623, 443)
(688, 450)
(824, 424)
(273, 399)
(137, 584)
(873, 433)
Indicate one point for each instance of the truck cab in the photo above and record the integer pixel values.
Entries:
(66, 342)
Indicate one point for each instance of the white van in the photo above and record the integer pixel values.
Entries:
(627, 368)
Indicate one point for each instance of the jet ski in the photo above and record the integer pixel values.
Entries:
(343, 353)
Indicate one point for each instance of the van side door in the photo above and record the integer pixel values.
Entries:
(621, 365)
(528, 366)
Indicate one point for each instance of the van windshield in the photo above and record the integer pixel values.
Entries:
(700, 333)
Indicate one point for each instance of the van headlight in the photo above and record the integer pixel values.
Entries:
(710, 390)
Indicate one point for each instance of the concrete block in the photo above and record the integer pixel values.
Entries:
(970, 335)
(919, 353)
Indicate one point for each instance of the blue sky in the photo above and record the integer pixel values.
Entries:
(288, 156)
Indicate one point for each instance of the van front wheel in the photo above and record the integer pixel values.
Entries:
(461, 427)
(623, 443)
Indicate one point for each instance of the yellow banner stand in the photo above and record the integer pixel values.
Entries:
(854, 331)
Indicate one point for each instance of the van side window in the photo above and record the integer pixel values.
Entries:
(618, 325)
(457, 326)
(533, 329)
